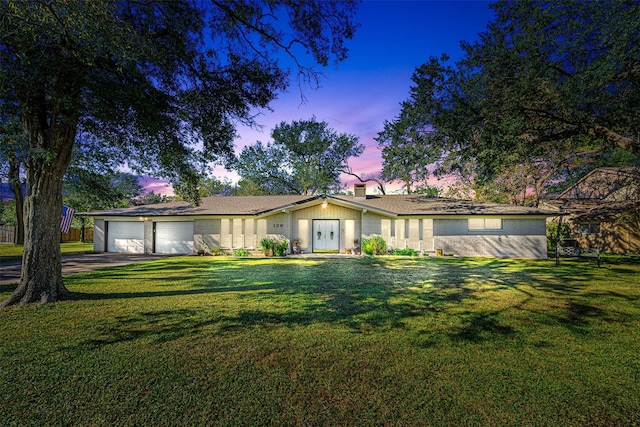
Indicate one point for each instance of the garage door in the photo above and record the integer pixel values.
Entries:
(125, 236)
(174, 237)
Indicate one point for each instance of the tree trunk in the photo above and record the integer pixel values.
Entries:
(50, 148)
(16, 186)
(407, 185)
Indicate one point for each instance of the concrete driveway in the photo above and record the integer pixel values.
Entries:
(72, 264)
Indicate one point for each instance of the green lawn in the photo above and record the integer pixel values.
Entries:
(12, 252)
(372, 341)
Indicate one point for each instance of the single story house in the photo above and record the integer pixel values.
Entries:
(603, 210)
(334, 223)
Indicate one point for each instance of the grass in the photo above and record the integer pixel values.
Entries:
(372, 341)
(9, 252)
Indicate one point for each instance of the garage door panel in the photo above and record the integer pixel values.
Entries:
(125, 236)
(127, 245)
(174, 237)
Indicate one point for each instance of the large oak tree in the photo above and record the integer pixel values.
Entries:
(549, 84)
(554, 70)
(166, 82)
(305, 157)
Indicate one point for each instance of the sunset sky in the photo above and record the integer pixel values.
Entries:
(362, 92)
(359, 94)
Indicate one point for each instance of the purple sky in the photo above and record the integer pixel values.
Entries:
(358, 95)
(362, 92)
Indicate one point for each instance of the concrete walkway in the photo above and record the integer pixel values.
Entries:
(72, 264)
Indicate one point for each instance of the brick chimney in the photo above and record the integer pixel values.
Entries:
(360, 191)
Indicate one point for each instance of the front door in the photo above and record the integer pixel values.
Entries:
(326, 235)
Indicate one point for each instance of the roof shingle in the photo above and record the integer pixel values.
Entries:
(417, 204)
(407, 204)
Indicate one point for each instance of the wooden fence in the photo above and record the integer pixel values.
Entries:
(7, 235)
(75, 235)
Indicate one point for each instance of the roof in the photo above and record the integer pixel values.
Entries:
(213, 205)
(417, 204)
(601, 194)
(593, 209)
(610, 180)
(394, 205)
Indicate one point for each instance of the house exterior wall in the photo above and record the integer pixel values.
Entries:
(148, 237)
(278, 226)
(372, 224)
(493, 246)
(206, 234)
(510, 227)
(302, 224)
(614, 237)
(229, 233)
(98, 235)
(518, 238)
(400, 232)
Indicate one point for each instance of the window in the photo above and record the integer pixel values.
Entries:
(485, 224)
(589, 228)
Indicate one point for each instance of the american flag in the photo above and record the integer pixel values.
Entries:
(65, 218)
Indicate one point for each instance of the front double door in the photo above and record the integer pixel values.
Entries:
(326, 235)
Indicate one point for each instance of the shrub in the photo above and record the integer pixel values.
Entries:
(266, 244)
(555, 233)
(281, 247)
(241, 252)
(272, 246)
(216, 251)
(374, 246)
(406, 252)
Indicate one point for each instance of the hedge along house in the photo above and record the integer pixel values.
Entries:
(325, 224)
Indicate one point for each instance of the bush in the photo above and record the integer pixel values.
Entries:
(271, 246)
(555, 233)
(216, 251)
(406, 252)
(281, 247)
(266, 244)
(241, 252)
(374, 246)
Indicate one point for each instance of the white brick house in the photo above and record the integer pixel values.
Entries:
(326, 224)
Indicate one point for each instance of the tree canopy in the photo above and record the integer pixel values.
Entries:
(548, 86)
(550, 71)
(405, 152)
(305, 157)
(164, 82)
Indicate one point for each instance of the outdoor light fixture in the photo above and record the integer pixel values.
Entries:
(324, 201)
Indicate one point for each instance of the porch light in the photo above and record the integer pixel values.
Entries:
(324, 202)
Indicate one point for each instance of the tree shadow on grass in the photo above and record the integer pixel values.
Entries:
(478, 327)
(160, 326)
(376, 295)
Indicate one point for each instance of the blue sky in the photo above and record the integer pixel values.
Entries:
(359, 94)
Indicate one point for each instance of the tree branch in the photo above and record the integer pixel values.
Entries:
(380, 184)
